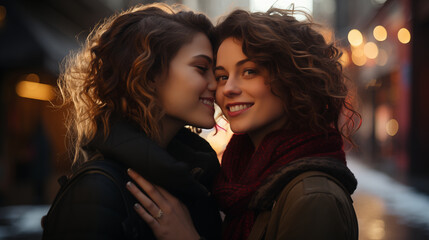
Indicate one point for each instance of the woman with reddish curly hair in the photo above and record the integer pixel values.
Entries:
(282, 89)
(141, 76)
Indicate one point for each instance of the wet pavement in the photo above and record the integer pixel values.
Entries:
(386, 210)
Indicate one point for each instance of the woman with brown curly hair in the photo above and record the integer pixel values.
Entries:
(141, 76)
(282, 90)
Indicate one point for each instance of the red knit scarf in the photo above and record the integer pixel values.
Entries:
(243, 170)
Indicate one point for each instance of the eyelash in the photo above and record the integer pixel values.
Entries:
(202, 68)
(222, 76)
(249, 72)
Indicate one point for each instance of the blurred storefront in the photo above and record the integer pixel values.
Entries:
(34, 38)
(386, 55)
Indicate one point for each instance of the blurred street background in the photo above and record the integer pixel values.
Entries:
(385, 46)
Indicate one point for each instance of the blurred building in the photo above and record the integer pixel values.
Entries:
(385, 53)
(34, 37)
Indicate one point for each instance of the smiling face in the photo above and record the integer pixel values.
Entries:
(187, 91)
(244, 95)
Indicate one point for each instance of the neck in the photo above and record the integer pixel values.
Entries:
(169, 128)
(259, 134)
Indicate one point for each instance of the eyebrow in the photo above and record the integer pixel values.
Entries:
(238, 64)
(209, 59)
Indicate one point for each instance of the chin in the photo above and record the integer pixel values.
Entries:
(205, 125)
(236, 129)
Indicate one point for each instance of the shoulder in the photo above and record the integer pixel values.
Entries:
(317, 202)
(95, 188)
(292, 174)
(317, 192)
(314, 184)
(90, 206)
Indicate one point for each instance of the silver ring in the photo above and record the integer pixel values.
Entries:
(160, 214)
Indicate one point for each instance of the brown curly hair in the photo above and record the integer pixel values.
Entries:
(115, 70)
(305, 70)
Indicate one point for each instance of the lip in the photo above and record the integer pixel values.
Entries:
(236, 113)
(210, 105)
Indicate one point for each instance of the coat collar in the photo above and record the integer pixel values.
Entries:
(128, 145)
(264, 197)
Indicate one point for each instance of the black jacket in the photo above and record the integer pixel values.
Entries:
(94, 208)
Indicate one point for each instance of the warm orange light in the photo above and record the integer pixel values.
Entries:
(392, 127)
(371, 50)
(358, 60)
(35, 90)
(380, 33)
(404, 35)
(32, 77)
(376, 229)
(345, 59)
(2, 13)
(358, 51)
(355, 37)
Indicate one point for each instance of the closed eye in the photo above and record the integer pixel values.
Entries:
(203, 69)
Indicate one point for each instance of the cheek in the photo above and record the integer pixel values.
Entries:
(219, 96)
(261, 90)
(195, 82)
(275, 106)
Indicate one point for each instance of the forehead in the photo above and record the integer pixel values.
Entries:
(199, 45)
(230, 52)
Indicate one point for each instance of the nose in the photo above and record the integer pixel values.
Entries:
(231, 87)
(212, 82)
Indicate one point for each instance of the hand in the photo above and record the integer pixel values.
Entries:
(165, 214)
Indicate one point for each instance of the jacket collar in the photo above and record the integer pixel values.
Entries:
(264, 197)
(128, 145)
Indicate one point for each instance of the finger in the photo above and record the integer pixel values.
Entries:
(148, 187)
(173, 201)
(168, 196)
(146, 202)
(151, 221)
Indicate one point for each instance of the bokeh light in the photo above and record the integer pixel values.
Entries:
(345, 58)
(404, 35)
(32, 77)
(371, 50)
(35, 90)
(2, 13)
(358, 60)
(355, 37)
(358, 56)
(380, 33)
(392, 127)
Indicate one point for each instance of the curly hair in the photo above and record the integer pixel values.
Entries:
(305, 71)
(115, 70)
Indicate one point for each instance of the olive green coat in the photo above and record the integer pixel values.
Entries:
(311, 205)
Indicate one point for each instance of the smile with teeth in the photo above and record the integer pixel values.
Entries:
(239, 107)
(207, 101)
